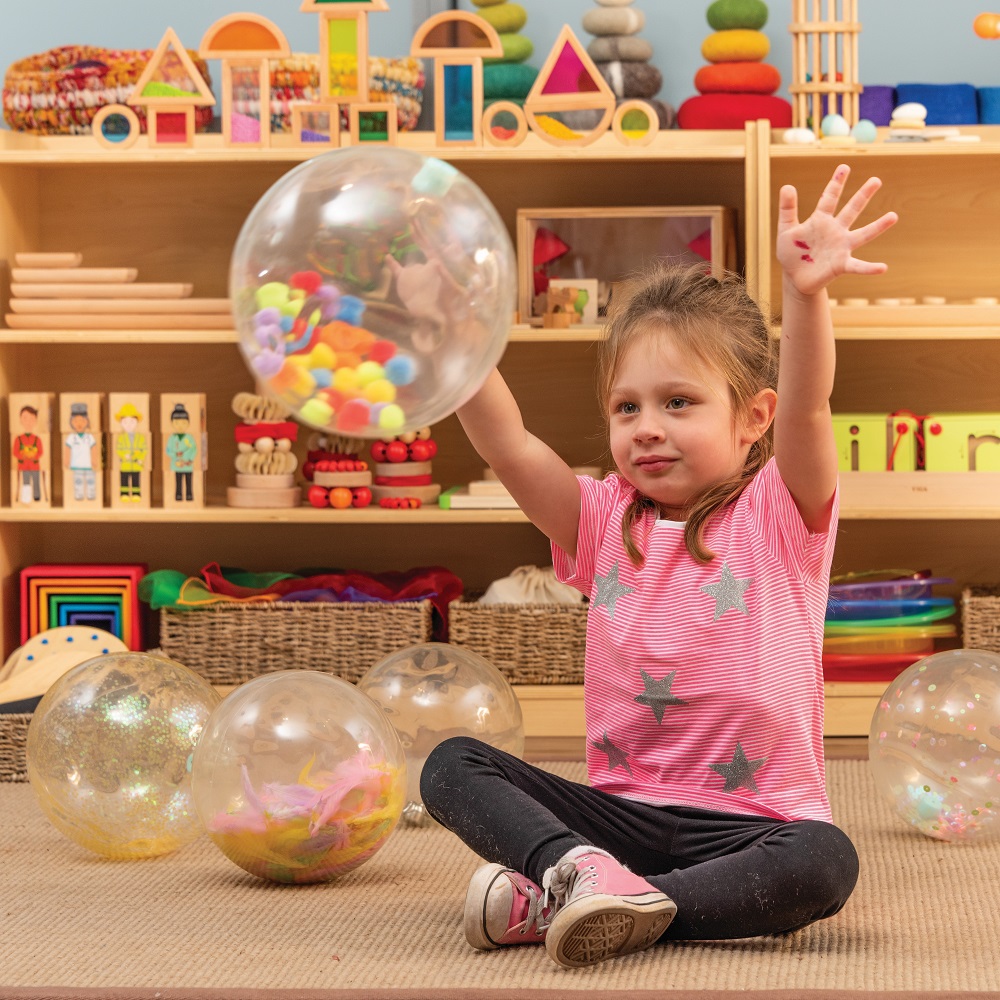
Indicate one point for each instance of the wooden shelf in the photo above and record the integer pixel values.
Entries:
(221, 514)
(920, 495)
(556, 710)
(988, 145)
(675, 144)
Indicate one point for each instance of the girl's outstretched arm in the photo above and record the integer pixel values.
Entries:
(812, 253)
(543, 485)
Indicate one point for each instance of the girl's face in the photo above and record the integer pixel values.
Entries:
(672, 426)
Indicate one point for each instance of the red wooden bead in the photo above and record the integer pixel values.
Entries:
(419, 452)
(378, 451)
(318, 496)
(396, 451)
(309, 470)
(432, 444)
(362, 496)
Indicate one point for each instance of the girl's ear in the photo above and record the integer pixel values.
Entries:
(760, 413)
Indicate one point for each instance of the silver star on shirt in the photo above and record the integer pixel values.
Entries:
(739, 771)
(657, 694)
(728, 593)
(609, 590)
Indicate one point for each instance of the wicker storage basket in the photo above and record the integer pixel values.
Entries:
(527, 643)
(231, 643)
(981, 617)
(296, 79)
(61, 90)
(13, 741)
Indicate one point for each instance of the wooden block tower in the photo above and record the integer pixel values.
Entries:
(824, 61)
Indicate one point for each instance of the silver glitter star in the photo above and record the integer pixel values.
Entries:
(728, 593)
(657, 694)
(609, 590)
(739, 771)
(616, 756)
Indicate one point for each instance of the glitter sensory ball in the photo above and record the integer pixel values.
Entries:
(935, 745)
(434, 691)
(298, 777)
(109, 753)
(373, 290)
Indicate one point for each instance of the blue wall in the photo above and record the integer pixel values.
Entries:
(926, 41)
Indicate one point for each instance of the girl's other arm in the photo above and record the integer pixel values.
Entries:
(543, 485)
(812, 254)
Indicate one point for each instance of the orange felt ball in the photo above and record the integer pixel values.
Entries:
(987, 26)
(738, 78)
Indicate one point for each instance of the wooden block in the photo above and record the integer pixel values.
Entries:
(194, 321)
(331, 479)
(951, 494)
(130, 450)
(183, 449)
(30, 425)
(47, 260)
(252, 481)
(488, 488)
(45, 275)
(104, 290)
(426, 494)
(81, 421)
(238, 496)
(402, 468)
(97, 307)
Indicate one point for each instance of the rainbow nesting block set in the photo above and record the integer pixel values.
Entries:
(103, 596)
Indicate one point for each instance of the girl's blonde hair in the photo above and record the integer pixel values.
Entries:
(715, 321)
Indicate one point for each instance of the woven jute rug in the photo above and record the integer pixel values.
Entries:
(924, 921)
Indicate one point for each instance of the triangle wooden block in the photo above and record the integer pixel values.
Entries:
(202, 98)
(569, 79)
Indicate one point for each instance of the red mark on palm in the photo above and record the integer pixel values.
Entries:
(805, 256)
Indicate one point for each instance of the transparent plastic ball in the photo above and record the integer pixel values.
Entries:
(434, 691)
(373, 290)
(298, 777)
(934, 745)
(109, 753)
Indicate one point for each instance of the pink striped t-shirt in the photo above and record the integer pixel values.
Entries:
(703, 684)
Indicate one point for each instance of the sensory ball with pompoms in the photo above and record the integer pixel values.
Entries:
(373, 290)
(934, 745)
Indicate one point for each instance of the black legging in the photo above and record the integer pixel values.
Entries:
(731, 876)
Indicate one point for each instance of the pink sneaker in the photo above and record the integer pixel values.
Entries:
(601, 909)
(504, 907)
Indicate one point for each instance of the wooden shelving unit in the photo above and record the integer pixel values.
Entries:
(175, 215)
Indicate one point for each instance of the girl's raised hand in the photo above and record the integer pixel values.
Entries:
(814, 252)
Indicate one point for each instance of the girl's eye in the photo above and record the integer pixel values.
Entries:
(628, 408)
(676, 403)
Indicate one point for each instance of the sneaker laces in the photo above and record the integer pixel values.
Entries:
(535, 917)
(560, 881)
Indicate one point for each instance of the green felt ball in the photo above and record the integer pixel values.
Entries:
(508, 81)
(505, 17)
(724, 15)
(516, 49)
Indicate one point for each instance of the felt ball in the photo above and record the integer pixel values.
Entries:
(736, 45)
(865, 131)
(321, 356)
(381, 351)
(323, 377)
(504, 81)
(317, 412)
(614, 21)
(350, 309)
(737, 78)
(625, 48)
(632, 79)
(725, 15)
(516, 49)
(732, 111)
(305, 282)
(799, 136)
(506, 18)
(391, 418)
(987, 25)
(400, 369)
(834, 125)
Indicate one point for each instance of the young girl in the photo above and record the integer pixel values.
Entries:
(706, 558)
